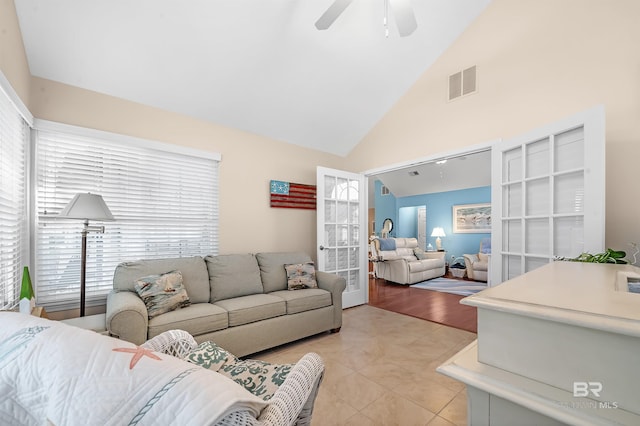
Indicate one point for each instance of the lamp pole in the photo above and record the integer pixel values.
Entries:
(83, 266)
(86, 207)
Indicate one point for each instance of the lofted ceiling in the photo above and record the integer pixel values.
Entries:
(461, 172)
(257, 66)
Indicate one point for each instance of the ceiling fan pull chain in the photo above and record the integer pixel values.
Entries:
(385, 21)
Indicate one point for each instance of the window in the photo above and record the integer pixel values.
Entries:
(164, 199)
(14, 237)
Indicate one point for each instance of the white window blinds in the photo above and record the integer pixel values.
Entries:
(14, 139)
(165, 204)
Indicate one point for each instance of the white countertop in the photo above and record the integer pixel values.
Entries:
(578, 293)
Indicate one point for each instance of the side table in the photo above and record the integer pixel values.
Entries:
(97, 323)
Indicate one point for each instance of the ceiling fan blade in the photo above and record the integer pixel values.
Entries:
(331, 14)
(405, 18)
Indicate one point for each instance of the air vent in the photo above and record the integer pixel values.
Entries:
(462, 83)
(414, 173)
(384, 190)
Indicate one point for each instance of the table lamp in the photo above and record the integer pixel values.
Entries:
(438, 232)
(86, 207)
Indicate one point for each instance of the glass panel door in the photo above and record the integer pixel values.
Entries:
(548, 195)
(341, 217)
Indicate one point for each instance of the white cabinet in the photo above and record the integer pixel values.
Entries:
(558, 345)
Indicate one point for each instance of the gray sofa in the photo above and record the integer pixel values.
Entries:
(239, 301)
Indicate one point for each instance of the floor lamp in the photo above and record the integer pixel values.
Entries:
(86, 207)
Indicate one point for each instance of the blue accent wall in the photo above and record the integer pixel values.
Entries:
(439, 213)
(407, 222)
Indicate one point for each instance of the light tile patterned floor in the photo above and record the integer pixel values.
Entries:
(380, 370)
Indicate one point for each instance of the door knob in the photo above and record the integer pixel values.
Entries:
(321, 247)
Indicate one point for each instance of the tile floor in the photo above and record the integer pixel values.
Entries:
(380, 370)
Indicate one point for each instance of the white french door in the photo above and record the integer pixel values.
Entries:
(422, 227)
(342, 215)
(548, 189)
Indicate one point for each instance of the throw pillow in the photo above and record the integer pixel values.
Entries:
(419, 253)
(301, 275)
(162, 293)
(483, 257)
(258, 377)
(210, 356)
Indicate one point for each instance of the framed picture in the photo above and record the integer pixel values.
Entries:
(472, 218)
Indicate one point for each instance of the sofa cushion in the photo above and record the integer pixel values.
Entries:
(199, 318)
(425, 265)
(256, 307)
(233, 275)
(410, 243)
(274, 277)
(304, 300)
(162, 293)
(301, 275)
(195, 277)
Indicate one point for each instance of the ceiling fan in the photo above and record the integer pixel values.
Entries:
(405, 19)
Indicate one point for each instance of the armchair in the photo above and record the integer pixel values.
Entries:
(290, 389)
(478, 264)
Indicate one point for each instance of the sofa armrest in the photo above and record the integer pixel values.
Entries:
(127, 316)
(470, 259)
(335, 284)
(397, 270)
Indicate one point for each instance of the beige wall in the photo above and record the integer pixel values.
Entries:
(249, 162)
(13, 59)
(538, 61)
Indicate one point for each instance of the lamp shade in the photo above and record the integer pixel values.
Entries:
(87, 207)
(438, 232)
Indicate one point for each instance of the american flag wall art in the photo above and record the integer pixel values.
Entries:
(289, 195)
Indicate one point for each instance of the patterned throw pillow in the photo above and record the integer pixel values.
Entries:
(210, 356)
(419, 253)
(301, 275)
(258, 377)
(162, 293)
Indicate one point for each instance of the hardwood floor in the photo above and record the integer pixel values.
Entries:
(443, 308)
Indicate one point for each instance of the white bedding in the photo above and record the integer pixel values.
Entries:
(56, 373)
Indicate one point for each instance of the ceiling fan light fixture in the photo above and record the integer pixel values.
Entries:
(402, 11)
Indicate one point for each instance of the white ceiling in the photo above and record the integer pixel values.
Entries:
(462, 172)
(258, 66)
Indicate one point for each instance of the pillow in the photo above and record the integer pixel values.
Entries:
(387, 244)
(301, 275)
(483, 257)
(258, 377)
(210, 356)
(419, 253)
(162, 293)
